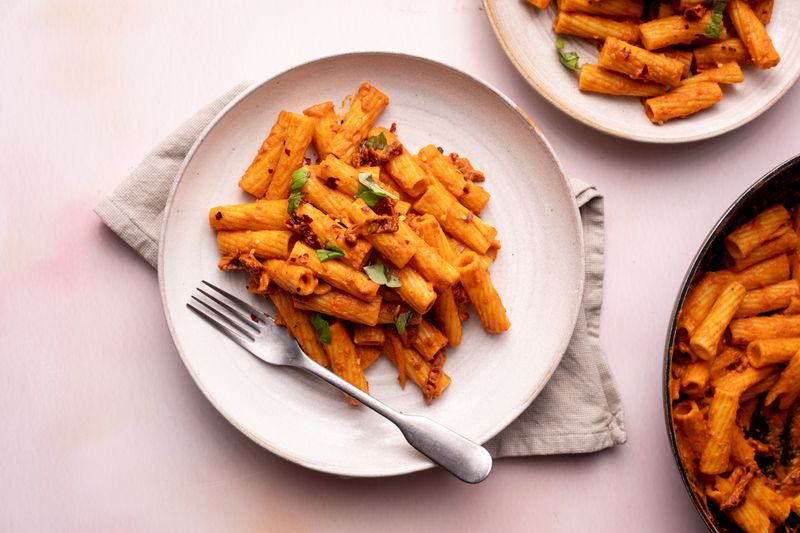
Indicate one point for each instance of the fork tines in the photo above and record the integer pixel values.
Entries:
(232, 316)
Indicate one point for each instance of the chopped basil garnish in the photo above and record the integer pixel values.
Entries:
(321, 327)
(380, 274)
(402, 321)
(568, 59)
(714, 27)
(330, 251)
(378, 142)
(369, 191)
(299, 178)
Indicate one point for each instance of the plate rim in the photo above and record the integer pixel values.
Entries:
(504, 421)
(561, 105)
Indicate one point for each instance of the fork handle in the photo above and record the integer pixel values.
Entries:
(458, 455)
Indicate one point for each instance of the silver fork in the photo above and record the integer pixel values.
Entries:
(258, 334)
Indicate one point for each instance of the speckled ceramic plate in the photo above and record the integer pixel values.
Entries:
(539, 272)
(527, 37)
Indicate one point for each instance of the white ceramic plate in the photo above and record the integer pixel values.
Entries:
(539, 272)
(527, 37)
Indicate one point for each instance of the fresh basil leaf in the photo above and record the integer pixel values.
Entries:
(299, 178)
(382, 275)
(330, 251)
(714, 27)
(369, 197)
(568, 59)
(322, 328)
(378, 142)
(365, 180)
(401, 321)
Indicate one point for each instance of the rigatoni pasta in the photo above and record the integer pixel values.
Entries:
(371, 251)
(735, 378)
(651, 51)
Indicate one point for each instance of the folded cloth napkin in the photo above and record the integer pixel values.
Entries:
(578, 411)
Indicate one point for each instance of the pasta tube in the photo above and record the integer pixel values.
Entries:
(472, 196)
(761, 274)
(264, 244)
(593, 27)
(705, 339)
(753, 34)
(403, 168)
(721, 419)
(264, 214)
(397, 246)
(258, 175)
(596, 79)
(292, 278)
(341, 305)
(414, 366)
(763, 10)
(367, 105)
(684, 56)
(739, 382)
(639, 63)
(431, 232)
(715, 54)
(344, 358)
(456, 219)
(675, 30)
(695, 378)
(447, 317)
(337, 273)
(782, 245)
(776, 505)
(482, 293)
(747, 330)
(692, 424)
(369, 335)
(299, 325)
(682, 101)
(756, 232)
(368, 355)
(764, 352)
(428, 340)
(327, 230)
(770, 298)
(415, 290)
(611, 8)
(325, 127)
(298, 138)
(727, 73)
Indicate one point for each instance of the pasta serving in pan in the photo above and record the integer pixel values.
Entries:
(372, 250)
(735, 375)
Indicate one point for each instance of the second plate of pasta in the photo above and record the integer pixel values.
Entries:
(733, 97)
(538, 272)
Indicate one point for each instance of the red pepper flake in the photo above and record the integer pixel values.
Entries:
(287, 151)
(441, 150)
(270, 170)
(332, 182)
(254, 318)
(469, 217)
(393, 127)
(218, 216)
(307, 160)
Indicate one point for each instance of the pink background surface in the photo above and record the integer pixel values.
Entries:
(103, 428)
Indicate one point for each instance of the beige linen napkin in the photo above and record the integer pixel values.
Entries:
(578, 411)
